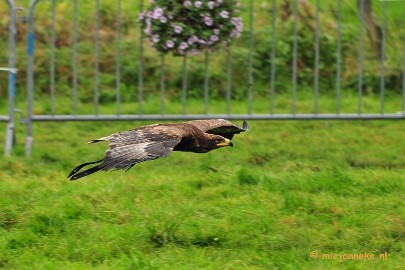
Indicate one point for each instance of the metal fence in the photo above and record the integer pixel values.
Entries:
(9, 118)
(314, 113)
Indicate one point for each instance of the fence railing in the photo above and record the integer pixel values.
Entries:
(164, 112)
(10, 68)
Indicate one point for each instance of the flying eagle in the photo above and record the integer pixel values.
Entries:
(155, 141)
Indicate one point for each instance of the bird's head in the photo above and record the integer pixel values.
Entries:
(217, 141)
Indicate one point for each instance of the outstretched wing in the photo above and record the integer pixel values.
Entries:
(220, 127)
(131, 147)
(135, 146)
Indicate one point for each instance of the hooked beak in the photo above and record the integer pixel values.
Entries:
(226, 143)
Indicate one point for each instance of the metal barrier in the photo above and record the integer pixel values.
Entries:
(9, 118)
(250, 113)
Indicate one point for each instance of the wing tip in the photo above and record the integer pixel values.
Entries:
(94, 141)
(75, 174)
(245, 125)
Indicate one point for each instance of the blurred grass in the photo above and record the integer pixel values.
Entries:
(286, 188)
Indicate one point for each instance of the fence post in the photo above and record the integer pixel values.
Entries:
(30, 76)
(250, 64)
(11, 80)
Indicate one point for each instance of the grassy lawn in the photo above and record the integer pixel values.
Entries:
(289, 195)
(286, 189)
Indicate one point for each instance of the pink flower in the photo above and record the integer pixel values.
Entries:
(237, 22)
(183, 46)
(192, 39)
(234, 20)
(224, 14)
(155, 38)
(211, 4)
(148, 22)
(148, 29)
(163, 19)
(178, 29)
(197, 4)
(208, 20)
(169, 44)
(157, 12)
(214, 38)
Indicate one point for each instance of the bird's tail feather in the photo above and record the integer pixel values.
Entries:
(74, 175)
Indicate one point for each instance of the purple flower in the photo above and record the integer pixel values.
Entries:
(224, 14)
(155, 38)
(192, 39)
(187, 4)
(237, 22)
(208, 20)
(201, 41)
(157, 12)
(148, 29)
(183, 46)
(178, 29)
(169, 44)
(214, 38)
(141, 16)
(211, 4)
(148, 22)
(163, 19)
(197, 4)
(219, 1)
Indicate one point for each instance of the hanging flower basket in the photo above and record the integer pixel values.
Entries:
(187, 27)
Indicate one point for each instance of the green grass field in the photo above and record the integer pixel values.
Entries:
(286, 189)
(288, 195)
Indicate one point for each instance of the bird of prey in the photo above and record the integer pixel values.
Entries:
(155, 141)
